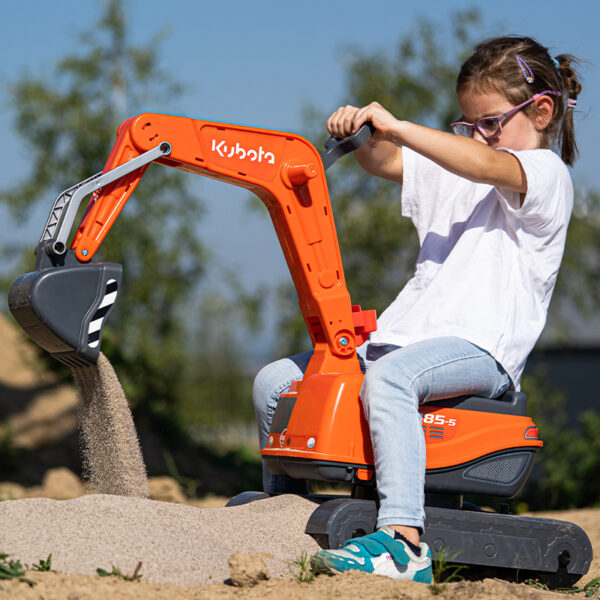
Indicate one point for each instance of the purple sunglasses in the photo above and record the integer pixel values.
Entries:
(491, 127)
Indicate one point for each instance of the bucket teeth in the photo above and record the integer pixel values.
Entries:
(64, 308)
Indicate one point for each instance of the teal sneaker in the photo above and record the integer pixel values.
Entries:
(377, 553)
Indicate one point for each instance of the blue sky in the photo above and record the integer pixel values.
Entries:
(257, 62)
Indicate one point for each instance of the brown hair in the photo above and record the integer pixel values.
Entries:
(494, 67)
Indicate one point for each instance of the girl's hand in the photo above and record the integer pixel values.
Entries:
(378, 156)
(382, 154)
(347, 120)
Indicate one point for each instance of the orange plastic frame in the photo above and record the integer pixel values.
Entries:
(286, 172)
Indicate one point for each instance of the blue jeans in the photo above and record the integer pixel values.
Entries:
(396, 381)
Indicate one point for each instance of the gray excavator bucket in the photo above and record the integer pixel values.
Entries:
(64, 303)
(64, 308)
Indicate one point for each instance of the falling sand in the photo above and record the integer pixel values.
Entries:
(112, 458)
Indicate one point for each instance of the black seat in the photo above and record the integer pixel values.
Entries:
(511, 403)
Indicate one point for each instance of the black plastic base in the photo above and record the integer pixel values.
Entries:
(557, 551)
(500, 474)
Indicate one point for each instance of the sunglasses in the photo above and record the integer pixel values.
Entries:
(491, 127)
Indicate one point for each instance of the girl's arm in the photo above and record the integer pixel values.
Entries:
(463, 156)
(381, 158)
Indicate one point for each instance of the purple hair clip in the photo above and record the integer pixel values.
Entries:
(571, 103)
(527, 72)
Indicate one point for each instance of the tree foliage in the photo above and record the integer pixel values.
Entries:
(68, 119)
(577, 295)
(566, 471)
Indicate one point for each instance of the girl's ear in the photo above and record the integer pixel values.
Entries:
(544, 107)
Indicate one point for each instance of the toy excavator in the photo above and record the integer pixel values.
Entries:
(475, 445)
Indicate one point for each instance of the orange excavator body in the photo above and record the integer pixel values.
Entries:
(287, 173)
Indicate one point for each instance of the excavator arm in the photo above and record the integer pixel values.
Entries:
(284, 170)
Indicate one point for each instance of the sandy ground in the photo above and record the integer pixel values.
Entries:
(185, 549)
(352, 585)
(176, 543)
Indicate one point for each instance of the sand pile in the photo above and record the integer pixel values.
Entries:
(120, 527)
(176, 543)
(112, 457)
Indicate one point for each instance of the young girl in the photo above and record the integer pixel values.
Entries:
(491, 204)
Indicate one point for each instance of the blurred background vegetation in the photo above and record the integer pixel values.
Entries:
(180, 351)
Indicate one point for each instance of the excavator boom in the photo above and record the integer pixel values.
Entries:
(283, 169)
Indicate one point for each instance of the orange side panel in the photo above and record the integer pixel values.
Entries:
(456, 436)
(328, 411)
(326, 422)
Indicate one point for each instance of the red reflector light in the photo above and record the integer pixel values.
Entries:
(531, 433)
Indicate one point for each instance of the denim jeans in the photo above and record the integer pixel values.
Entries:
(396, 381)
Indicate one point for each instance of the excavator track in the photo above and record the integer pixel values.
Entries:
(556, 552)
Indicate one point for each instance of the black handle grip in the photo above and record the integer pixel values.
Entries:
(336, 148)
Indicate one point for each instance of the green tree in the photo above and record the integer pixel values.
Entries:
(68, 119)
(566, 470)
(577, 293)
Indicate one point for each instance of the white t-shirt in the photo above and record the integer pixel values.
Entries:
(487, 267)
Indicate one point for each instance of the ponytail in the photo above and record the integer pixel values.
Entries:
(572, 88)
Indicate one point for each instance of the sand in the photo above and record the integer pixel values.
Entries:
(344, 587)
(184, 548)
(176, 543)
(112, 457)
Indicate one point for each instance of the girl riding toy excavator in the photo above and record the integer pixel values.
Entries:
(472, 429)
